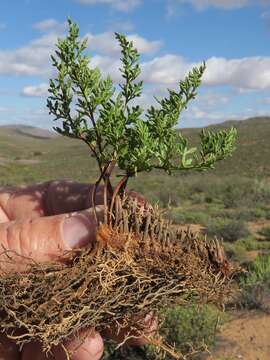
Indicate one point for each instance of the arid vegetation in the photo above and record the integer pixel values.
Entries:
(234, 205)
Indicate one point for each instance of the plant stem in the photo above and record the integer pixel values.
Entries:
(119, 188)
(105, 176)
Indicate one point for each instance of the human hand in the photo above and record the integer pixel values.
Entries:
(42, 221)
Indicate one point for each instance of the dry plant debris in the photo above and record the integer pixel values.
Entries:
(139, 263)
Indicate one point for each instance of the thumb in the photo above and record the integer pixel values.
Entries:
(46, 238)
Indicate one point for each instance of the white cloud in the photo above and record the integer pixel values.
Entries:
(167, 69)
(32, 59)
(225, 4)
(208, 108)
(144, 46)
(221, 4)
(49, 25)
(4, 109)
(251, 73)
(108, 66)
(197, 113)
(245, 73)
(210, 100)
(121, 5)
(36, 91)
(105, 43)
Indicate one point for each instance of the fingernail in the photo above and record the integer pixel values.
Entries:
(78, 230)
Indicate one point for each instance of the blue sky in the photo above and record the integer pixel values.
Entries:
(232, 36)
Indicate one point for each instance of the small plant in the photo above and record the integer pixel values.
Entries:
(265, 231)
(181, 216)
(236, 252)
(138, 262)
(191, 329)
(228, 230)
(256, 284)
(113, 126)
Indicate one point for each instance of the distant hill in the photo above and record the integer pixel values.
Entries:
(29, 154)
(252, 154)
(31, 131)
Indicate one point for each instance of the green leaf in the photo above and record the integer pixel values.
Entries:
(114, 126)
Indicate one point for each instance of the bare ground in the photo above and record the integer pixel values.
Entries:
(246, 337)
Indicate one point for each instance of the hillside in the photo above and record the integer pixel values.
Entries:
(29, 154)
(251, 157)
(231, 202)
(28, 130)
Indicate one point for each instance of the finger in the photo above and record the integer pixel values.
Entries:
(88, 346)
(22, 202)
(150, 327)
(44, 199)
(46, 238)
(91, 348)
(67, 196)
(8, 349)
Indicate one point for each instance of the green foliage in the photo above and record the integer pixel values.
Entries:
(183, 216)
(246, 214)
(236, 251)
(242, 192)
(191, 326)
(203, 189)
(228, 230)
(265, 231)
(249, 163)
(261, 190)
(256, 284)
(113, 127)
(250, 243)
(188, 328)
(267, 214)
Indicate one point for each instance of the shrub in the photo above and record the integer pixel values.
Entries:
(261, 190)
(37, 153)
(181, 216)
(208, 199)
(228, 230)
(251, 243)
(236, 252)
(242, 214)
(256, 284)
(267, 214)
(247, 214)
(235, 191)
(265, 231)
(229, 197)
(189, 328)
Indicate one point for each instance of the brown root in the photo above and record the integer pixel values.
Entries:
(138, 264)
